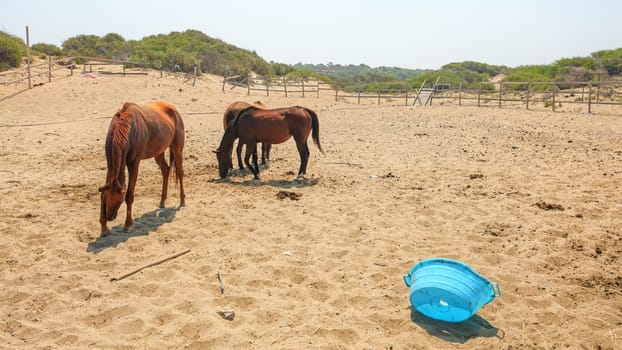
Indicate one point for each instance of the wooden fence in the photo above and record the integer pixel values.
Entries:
(540, 95)
(118, 67)
(528, 95)
(303, 87)
(33, 75)
(44, 69)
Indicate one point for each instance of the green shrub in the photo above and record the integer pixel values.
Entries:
(47, 49)
(12, 49)
(609, 60)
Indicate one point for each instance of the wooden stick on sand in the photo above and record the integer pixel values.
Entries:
(114, 279)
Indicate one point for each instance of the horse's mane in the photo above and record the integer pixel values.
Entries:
(118, 136)
(235, 120)
(120, 126)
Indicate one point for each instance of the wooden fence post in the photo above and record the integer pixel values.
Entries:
(303, 88)
(500, 93)
(265, 79)
(359, 100)
(224, 80)
(285, 86)
(528, 91)
(554, 97)
(597, 92)
(406, 97)
(318, 88)
(479, 94)
(49, 69)
(589, 98)
(460, 95)
(248, 84)
(336, 94)
(378, 97)
(194, 78)
(28, 56)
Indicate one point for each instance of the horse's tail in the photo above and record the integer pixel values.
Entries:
(173, 164)
(180, 135)
(315, 129)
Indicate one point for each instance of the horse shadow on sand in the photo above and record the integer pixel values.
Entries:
(474, 327)
(274, 183)
(241, 173)
(148, 222)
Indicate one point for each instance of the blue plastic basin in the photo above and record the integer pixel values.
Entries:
(448, 290)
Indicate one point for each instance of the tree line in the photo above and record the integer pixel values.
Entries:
(184, 50)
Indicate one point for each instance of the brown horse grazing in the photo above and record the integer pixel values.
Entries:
(137, 133)
(273, 126)
(232, 111)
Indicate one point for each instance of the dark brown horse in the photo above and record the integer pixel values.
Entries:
(137, 133)
(232, 111)
(273, 126)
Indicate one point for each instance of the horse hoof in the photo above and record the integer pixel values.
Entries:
(300, 178)
(104, 233)
(126, 229)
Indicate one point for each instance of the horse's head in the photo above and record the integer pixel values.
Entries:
(224, 162)
(112, 196)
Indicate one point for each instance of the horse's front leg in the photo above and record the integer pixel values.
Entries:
(239, 153)
(165, 169)
(132, 169)
(252, 150)
(103, 222)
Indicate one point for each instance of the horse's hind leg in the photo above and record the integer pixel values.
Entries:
(177, 162)
(265, 153)
(303, 150)
(165, 170)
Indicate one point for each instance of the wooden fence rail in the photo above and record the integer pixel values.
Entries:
(27, 74)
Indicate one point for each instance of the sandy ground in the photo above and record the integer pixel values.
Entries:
(395, 185)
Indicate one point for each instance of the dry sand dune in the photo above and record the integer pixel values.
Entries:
(321, 266)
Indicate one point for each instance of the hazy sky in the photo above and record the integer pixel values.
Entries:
(400, 33)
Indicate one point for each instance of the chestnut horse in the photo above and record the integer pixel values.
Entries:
(273, 126)
(137, 133)
(230, 114)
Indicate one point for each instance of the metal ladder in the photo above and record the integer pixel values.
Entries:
(424, 95)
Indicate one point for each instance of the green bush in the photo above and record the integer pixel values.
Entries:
(82, 45)
(48, 49)
(12, 49)
(455, 75)
(609, 60)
